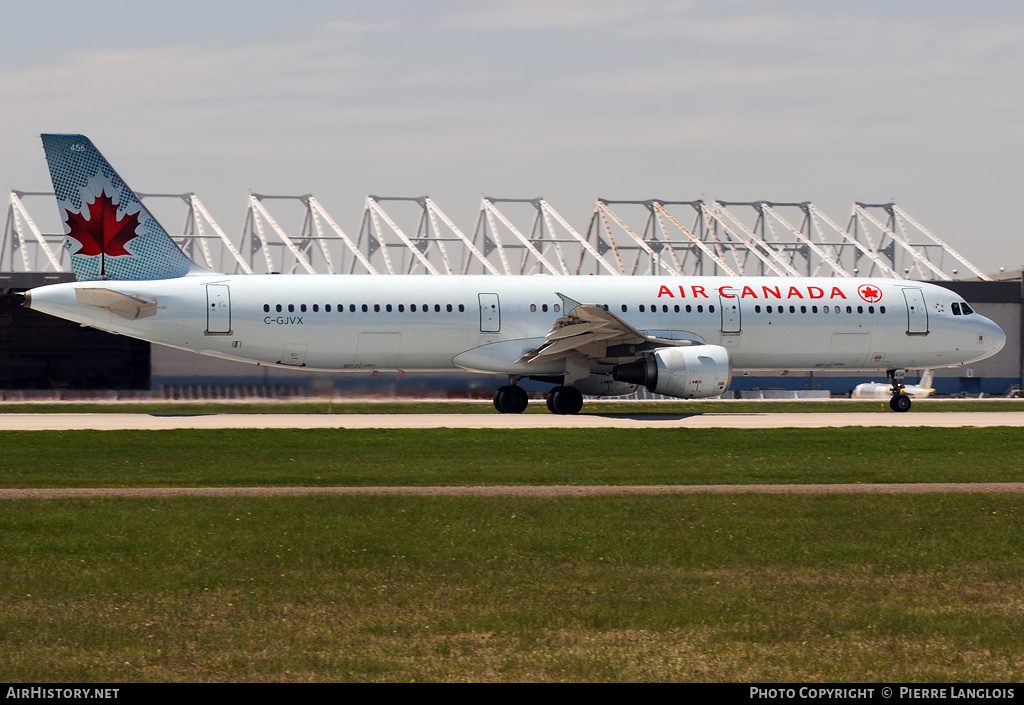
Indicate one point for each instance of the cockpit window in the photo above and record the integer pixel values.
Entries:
(956, 308)
(966, 309)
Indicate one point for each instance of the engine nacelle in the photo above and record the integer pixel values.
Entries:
(603, 386)
(691, 372)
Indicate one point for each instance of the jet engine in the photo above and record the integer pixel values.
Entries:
(691, 372)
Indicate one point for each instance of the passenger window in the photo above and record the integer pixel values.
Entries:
(462, 308)
(860, 309)
(365, 308)
(544, 308)
(266, 308)
(881, 309)
(769, 309)
(711, 308)
(688, 308)
(401, 308)
(677, 308)
(871, 309)
(757, 309)
(449, 308)
(437, 308)
(278, 307)
(327, 308)
(352, 308)
(624, 308)
(302, 308)
(814, 309)
(803, 309)
(316, 308)
(533, 308)
(388, 308)
(700, 309)
(792, 309)
(556, 308)
(291, 308)
(642, 309)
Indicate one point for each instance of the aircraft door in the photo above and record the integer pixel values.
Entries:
(917, 314)
(731, 320)
(490, 313)
(218, 309)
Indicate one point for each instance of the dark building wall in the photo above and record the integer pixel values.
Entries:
(42, 352)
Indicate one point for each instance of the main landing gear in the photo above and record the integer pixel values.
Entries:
(512, 399)
(899, 401)
(565, 400)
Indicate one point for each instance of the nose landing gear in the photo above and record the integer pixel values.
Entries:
(899, 401)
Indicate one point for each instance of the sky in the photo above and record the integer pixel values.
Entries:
(833, 102)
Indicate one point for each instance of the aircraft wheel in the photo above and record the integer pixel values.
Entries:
(900, 402)
(516, 400)
(550, 399)
(567, 400)
(500, 398)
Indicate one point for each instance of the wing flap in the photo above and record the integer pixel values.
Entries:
(589, 329)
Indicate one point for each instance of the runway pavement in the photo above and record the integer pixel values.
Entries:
(112, 422)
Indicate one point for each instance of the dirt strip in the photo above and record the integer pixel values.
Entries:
(513, 490)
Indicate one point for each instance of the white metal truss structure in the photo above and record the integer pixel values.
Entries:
(400, 235)
(23, 244)
(23, 247)
(548, 246)
(200, 231)
(918, 254)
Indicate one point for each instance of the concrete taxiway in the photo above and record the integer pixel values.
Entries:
(118, 421)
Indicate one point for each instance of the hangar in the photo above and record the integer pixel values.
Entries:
(402, 235)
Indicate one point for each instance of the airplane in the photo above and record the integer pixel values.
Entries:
(585, 335)
(880, 390)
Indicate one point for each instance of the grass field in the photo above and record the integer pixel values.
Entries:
(332, 457)
(924, 588)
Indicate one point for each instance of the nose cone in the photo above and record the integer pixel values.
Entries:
(990, 338)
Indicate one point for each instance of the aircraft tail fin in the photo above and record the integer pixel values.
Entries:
(926, 380)
(109, 232)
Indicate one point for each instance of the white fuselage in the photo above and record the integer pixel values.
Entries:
(486, 323)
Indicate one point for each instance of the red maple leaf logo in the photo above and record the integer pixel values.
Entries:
(102, 234)
(869, 293)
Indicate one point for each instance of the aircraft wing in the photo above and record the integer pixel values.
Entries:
(596, 333)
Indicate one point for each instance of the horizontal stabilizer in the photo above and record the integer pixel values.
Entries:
(123, 305)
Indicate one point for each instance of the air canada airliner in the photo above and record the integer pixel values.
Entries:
(584, 335)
